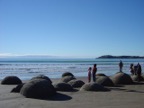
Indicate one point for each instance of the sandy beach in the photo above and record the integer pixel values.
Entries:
(125, 96)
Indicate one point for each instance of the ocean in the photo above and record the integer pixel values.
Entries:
(26, 68)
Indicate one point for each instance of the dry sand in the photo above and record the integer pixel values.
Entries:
(127, 96)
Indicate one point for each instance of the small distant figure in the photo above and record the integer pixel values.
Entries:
(94, 70)
(89, 74)
(139, 71)
(120, 65)
(132, 69)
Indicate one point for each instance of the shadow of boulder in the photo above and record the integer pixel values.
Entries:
(60, 97)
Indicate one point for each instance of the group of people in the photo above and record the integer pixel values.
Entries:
(92, 72)
(134, 69)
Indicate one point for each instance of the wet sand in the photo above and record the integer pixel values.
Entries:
(125, 96)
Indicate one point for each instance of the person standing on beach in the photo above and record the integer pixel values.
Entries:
(132, 69)
(139, 71)
(94, 70)
(120, 65)
(89, 74)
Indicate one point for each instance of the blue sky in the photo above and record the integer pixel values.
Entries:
(72, 28)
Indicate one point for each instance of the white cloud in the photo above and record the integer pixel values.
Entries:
(24, 55)
(6, 54)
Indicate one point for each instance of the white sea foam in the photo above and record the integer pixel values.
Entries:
(53, 68)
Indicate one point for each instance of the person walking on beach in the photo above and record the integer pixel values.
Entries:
(94, 70)
(120, 65)
(89, 74)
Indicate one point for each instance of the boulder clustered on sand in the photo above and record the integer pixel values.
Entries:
(76, 83)
(136, 78)
(67, 74)
(93, 87)
(121, 78)
(42, 77)
(38, 88)
(41, 86)
(62, 86)
(104, 80)
(11, 80)
(66, 79)
(67, 82)
(17, 89)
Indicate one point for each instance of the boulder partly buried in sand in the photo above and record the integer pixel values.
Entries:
(93, 87)
(66, 79)
(62, 86)
(136, 78)
(42, 77)
(38, 88)
(67, 74)
(121, 78)
(17, 88)
(104, 80)
(76, 83)
(11, 80)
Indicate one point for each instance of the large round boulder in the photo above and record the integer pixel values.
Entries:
(121, 78)
(38, 88)
(104, 80)
(66, 79)
(76, 83)
(136, 78)
(42, 77)
(67, 74)
(11, 80)
(93, 87)
(61, 86)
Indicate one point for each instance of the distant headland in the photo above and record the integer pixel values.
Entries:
(121, 57)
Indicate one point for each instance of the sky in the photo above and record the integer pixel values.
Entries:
(71, 28)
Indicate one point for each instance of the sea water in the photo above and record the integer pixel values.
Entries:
(55, 67)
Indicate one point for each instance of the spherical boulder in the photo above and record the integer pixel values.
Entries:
(61, 86)
(76, 83)
(104, 80)
(67, 74)
(121, 78)
(93, 87)
(38, 88)
(11, 80)
(136, 78)
(17, 88)
(42, 77)
(66, 79)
